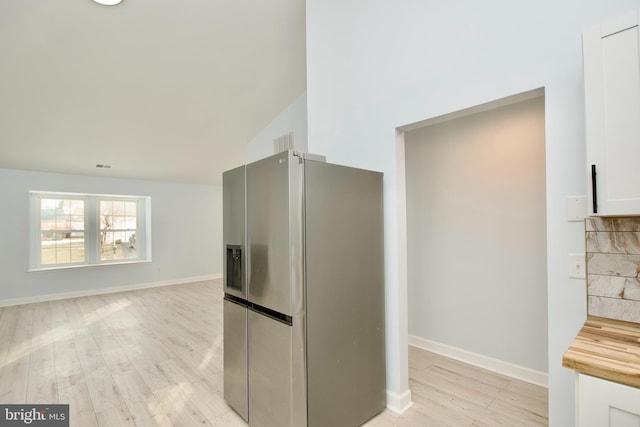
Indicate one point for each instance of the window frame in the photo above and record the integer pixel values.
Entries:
(92, 229)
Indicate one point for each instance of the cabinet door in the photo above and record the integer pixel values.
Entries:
(604, 403)
(612, 101)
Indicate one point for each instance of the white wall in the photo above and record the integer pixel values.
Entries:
(373, 66)
(291, 119)
(186, 229)
(476, 233)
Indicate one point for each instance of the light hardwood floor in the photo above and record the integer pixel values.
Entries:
(154, 357)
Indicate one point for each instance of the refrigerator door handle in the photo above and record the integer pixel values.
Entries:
(247, 268)
(272, 314)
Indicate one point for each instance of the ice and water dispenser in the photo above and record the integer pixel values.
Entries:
(234, 267)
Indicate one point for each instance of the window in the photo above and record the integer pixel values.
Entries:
(118, 229)
(62, 225)
(71, 229)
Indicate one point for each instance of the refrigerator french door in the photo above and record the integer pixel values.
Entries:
(311, 261)
(235, 291)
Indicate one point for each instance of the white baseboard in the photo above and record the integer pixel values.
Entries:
(485, 362)
(399, 403)
(102, 291)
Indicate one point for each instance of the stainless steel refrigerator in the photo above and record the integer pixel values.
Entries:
(304, 292)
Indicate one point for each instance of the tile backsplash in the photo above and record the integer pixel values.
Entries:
(613, 267)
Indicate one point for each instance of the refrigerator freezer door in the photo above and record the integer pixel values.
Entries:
(345, 295)
(269, 236)
(233, 232)
(270, 361)
(235, 358)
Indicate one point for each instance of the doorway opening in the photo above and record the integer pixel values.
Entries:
(475, 187)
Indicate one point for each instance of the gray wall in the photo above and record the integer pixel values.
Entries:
(477, 233)
(374, 67)
(291, 119)
(186, 227)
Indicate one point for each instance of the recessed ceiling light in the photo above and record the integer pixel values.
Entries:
(108, 2)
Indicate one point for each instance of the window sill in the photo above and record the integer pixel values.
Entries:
(102, 264)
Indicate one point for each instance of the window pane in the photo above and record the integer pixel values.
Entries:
(106, 207)
(119, 222)
(128, 245)
(77, 222)
(106, 214)
(62, 251)
(118, 226)
(48, 255)
(61, 231)
(131, 223)
(77, 247)
(107, 248)
(118, 207)
(118, 245)
(63, 254)
(118, 215)
(105, 222)
(131, 209)
(77, 207)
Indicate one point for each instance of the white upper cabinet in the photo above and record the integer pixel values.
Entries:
(612, 112)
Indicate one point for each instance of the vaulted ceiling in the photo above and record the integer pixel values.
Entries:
(158, 89)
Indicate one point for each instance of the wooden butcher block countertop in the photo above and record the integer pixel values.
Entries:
(608, 349)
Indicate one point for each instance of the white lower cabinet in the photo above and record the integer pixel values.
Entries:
(602, 403)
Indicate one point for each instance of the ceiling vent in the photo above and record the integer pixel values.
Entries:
(283, 143)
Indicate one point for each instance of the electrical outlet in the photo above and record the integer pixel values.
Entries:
(577, 266)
